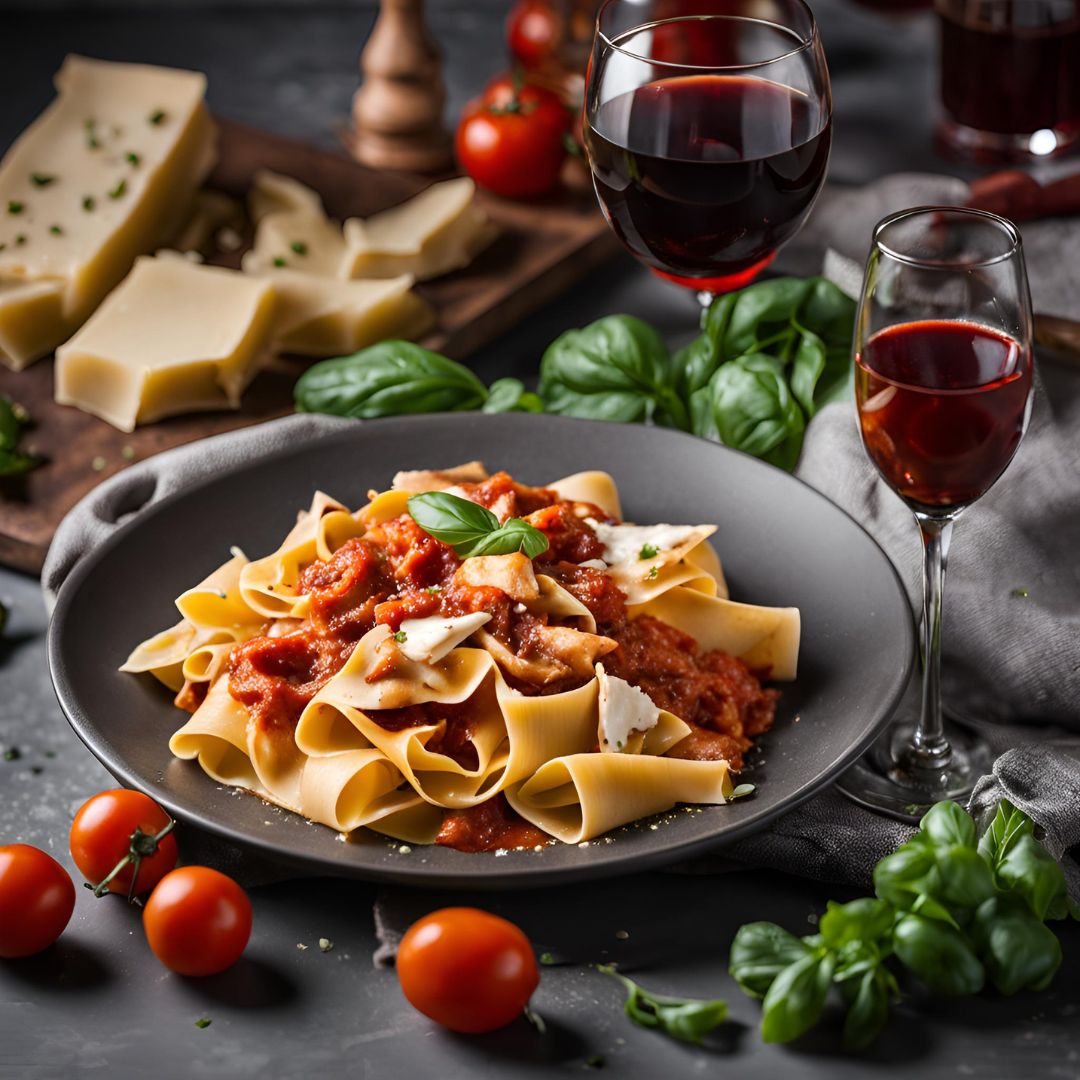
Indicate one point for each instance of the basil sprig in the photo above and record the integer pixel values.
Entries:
(685, 1019)
(471, 529)
(13, 419)
(952, 910)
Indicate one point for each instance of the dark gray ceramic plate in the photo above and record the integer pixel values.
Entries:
(781, 544)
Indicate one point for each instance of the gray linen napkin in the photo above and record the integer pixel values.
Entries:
(1006, 656)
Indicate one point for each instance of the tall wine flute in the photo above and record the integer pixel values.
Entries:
(943, 375)
(707, 128)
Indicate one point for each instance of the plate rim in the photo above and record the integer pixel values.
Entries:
(509, 877)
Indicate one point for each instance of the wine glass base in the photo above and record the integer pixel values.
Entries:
(967, 144)
(891, 780)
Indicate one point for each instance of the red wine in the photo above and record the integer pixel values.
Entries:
(942, 406)
(1011, 66)
(703, 177)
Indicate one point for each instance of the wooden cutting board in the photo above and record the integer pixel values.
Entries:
(543, 249)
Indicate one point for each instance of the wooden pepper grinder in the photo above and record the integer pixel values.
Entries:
(397, 112)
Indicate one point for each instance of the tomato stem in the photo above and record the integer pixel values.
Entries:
(141, 846)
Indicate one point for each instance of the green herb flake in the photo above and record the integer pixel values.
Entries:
(56, 230)
(653, 573)
(279, 261)
(594, 1061)
(12, 753)
(547, 959)
(20, 239)
(325, 944)
(648, 551)
(50, 754)
(15, 207)
(685, 1019)
(88, 203)
(156, 118)
(1020, 594)
(119, 191)
(401, 637)
(133, 159)
(299, 247)
(98, 463)
(433, 590)
(41, 180)
(203, 1022)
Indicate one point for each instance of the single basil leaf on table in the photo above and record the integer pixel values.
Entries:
(747, 405)
(939, 955)
(760, 951)
(510, 395)
(1019, 951)
(860, 920)
(616, 368)
(1007, 827)
(685, 1019)
(393, 378)
(796, 998)
(1030, 871)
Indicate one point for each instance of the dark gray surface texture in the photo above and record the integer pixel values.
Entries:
(100, 1005)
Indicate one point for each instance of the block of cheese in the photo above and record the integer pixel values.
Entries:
(173, 337)
(292, 230)
(437, 231)
(104, 174)
(319, 316)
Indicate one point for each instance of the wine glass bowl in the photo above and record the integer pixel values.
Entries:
(707, 129)
(943, 378)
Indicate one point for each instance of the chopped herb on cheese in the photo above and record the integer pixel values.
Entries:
(118, 191)
(41, 179)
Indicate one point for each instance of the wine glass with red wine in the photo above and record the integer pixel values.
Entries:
(707, 128)
(943, 375)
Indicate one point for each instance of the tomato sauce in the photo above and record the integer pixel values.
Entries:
(492, 825)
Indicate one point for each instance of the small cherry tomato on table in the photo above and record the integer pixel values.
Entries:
(36, 900)
(197, 921)
(512, 139)
(120, 825)
(467, 969)
(533, 31)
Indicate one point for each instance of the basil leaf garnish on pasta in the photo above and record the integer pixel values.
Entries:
(471, 529)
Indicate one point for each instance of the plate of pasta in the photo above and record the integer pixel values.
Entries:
(495, 650)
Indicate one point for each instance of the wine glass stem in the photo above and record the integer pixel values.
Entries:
(931, 748)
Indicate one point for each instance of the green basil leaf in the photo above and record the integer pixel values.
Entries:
(10, 425)
(747, 405)
(514, 535)
(617, 368)
(899, 877)
(868, 1012)
(15, 463)
(963, 876)
(1005, 830)
(393, 378)
(1019, 951)
(947, 823)
(685, 1019)
(939, 955)
(450, 518)
(760, 951)
(860, 921)
(1029, 871)
(796, 998)
(695, 363)
(806, 369)
(763, 310)
(510, 395)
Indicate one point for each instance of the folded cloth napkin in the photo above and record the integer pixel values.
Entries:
(1007, 657)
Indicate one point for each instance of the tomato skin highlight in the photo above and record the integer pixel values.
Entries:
(511, 140)
(533, 32)
(197, 921)
(37, 898)
(101, 836)
(467, 969)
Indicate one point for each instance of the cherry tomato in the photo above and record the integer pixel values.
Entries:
(533, 30)
(197, 921)
(467, 969)
(512, 139)
(36, 900)
(101, 835)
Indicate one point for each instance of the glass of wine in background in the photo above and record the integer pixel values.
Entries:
(707, 128)
(943, 375)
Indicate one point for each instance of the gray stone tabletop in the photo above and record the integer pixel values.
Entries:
(100, 1005)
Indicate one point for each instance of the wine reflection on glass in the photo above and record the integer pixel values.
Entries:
(943, 377)
(707, 128)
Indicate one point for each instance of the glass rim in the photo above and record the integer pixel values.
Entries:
(1003, 224)
(804, 41)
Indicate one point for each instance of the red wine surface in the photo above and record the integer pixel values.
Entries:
(942, 406)
(703, 177)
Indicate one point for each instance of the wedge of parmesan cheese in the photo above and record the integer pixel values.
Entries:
(437, 231)
(174, 337)
(319, 316)
(429, 640)
(513, 574)
(107, 172)
(626, 543)
(624, 710)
